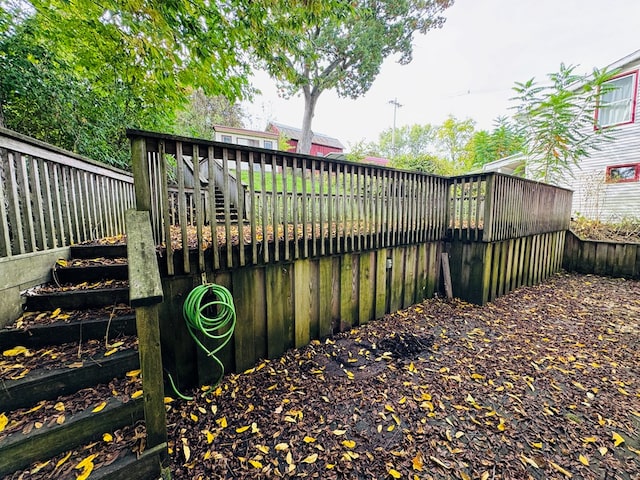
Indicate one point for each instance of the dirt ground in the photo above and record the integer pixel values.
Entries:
(543, 383)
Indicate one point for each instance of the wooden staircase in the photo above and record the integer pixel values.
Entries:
(70, 388)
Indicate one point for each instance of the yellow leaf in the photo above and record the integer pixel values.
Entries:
(59, 407)
(439, 462)
(308, 439)
(537, 444)
(55, 313)
(110, 352)
(168, 399)
(282, 446)
(187, 452)
(389, 408)
(289, 458)
(193, 417)
(99, 407)
(590, 439)
(136, 394)
(617, 439)
(60, 420)
(529, 461)
(222, 422)
(560, 469)
(501, 426)
(583, 460)
(86, 472)
(263, 448)
(417, 462)
(14, 352)
(87, 461)
(310, 459)
(4, 420)
(349, 443)
(243, 429)
(107, 437)
(210, 436)
(464, 476)
(484, 476)
(394, 473)
(339, 432)
(255, 463)
(133, 373)
(64, 459)
(603, 451)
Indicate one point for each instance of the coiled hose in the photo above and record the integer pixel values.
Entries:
(219, 327)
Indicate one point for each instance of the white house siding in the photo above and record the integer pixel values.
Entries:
(593, 197)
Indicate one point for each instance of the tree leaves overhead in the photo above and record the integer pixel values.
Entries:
(339, 45)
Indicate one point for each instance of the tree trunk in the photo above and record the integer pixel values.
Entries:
(310, 100)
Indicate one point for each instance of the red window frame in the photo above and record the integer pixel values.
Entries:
(633, 103)
(635, 178)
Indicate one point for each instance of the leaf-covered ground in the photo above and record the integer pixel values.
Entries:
(543, 383)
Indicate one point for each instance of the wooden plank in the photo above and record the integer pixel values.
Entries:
(495, 270)
(13, 201)
(508, 273)
(295, 210)
(265, 212)
(422, 272)
(316, 181)
(275, 211)
(145, 287)
(366, 302)
(325, 273)
(347, 299)
(227, 207)
(397, 278)
(253, 210)
(433, 269)
(306, 203)
(285, 210)
(275, 284)
(246, 286)
(410, 265)
(381, 283)
(5, 239)
(182, 208)
(28, 217)
(444, 258)
(302, 302)
(195, 160)
(487, 265)
(315, 300)
(164, 202)
(475, 294)
(41, 234)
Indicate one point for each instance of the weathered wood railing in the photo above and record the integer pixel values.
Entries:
(491, 207)
(52, 198)
(337, 206)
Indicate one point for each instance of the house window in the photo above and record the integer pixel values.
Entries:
(227, 138)
(251, 142)
(618, 103)
(623, 173)
(268, 144)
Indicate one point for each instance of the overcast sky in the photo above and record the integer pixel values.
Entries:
(468, 67)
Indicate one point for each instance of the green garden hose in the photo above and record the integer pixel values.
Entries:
(219, 327)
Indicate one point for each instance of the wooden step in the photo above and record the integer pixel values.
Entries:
(76, 299)
(20, 450)
(56, 333)
(50, 384)
(92, 273)
(95, 251)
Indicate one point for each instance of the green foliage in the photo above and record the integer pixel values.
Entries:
(202, 112)
(556, 121)
(504, 140)
(339, 45)
(77, 74)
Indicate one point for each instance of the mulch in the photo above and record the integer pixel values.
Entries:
(544, 383)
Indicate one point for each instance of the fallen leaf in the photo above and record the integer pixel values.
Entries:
(583, 460)
(560, 469)
(617, 439)
(99, 407)
(255, 463)
(107, 437)
(394, 473)
(63, 459)
(310, 459)
(14, 352)
(243, 429)
(4, 420)
(308, 439)
(136, 394)
(349, 443)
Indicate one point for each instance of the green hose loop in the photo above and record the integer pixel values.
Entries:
(219, 327)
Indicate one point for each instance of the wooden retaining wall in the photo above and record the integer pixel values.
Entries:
(286, 305)
(601, 258)
(481, 272)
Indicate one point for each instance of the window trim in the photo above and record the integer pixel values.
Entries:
(636, 178)
(634, 99)
(268, 144)
(226, 138)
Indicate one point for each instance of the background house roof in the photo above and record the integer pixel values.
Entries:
(244, 131)
(318, 138)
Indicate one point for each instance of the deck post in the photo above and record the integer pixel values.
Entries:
(141, 178)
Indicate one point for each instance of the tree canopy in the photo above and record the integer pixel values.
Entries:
(557, 120)
(340, 45)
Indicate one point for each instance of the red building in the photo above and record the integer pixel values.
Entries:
(321, 144)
